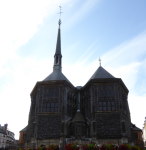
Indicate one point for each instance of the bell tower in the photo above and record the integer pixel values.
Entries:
(58, 57)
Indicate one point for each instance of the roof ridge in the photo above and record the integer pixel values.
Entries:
(78, 117)
(56, 75)
(101, 73)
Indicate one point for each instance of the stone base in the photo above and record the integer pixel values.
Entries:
(82, 141)
(62, 142)
(46, 143)
(106, 141)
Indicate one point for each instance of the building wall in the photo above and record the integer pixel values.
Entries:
(3, 140)
(49, 126)
(6, 140)
(137, 137)
(21, 138)
(108, 126)
(144, 134)
(10, 139)
(45, 123)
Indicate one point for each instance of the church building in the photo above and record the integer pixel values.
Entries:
(61, 113)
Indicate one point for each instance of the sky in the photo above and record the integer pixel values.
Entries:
(113, 30)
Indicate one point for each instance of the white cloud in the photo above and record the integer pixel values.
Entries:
(127, 52)
(137, 108)
(16, 95)
(81, 12)
(128, 73)
(19, 22)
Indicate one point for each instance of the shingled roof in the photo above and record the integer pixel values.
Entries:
(101, 73)
(135, 128)
(24, 129)
(56, 75)
(78, 117)
(58, 44)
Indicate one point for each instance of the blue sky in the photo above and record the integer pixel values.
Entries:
(113, 30)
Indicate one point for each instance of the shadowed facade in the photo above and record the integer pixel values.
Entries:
(61, 113)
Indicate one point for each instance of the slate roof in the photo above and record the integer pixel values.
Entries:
(135, 128)
(55, 76)
(58, 45)
(78, 117)
(101, 73)
(2, 131)
(24, 129)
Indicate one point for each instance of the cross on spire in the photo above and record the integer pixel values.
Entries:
(99, 61)
(60, 12)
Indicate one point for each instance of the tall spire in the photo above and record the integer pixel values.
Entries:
(58, 56)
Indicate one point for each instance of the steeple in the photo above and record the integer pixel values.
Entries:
(58, 57)
(57, 74)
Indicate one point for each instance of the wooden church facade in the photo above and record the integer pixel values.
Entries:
(62, 113)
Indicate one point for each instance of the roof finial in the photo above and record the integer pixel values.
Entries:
(60, 16)
(99, 61)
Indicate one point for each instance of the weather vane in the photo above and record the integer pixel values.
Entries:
(99, 61)
(60, 16)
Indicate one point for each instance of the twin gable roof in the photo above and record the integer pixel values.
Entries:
(100, 73)
(57, 74)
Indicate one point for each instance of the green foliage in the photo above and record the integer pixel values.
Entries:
(135, 148)
(91, 146)
(110, 146)
(129, 147)
(40, 148)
